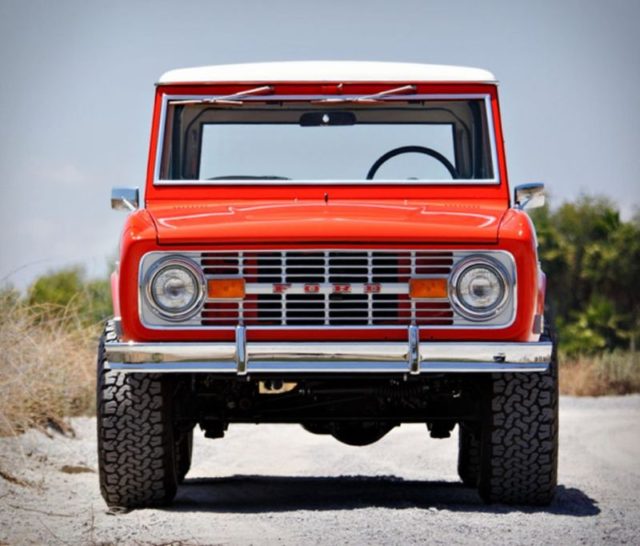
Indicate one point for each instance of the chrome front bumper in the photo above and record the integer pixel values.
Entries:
(410, 357)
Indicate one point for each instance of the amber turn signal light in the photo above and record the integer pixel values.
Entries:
(225, 289)
(428, 288)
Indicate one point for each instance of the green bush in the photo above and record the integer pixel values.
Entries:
(68, 291)
(592, 261)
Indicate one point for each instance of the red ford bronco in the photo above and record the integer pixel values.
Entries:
(332, 244)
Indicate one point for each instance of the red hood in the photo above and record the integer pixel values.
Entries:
(294, 221)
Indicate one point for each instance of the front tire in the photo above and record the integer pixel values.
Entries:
(136, 457)
(519, 458)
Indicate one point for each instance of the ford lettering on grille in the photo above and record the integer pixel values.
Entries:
(326, 287)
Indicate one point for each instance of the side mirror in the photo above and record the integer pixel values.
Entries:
(125, 199)
(529, 196)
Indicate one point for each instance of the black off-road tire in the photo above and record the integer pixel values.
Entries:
(184, 450)
(135, 437)
(519, 456)
(468, 455)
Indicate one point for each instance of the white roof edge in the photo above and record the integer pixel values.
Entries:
(328, 71)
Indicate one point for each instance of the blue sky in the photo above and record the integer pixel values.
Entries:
(77, 80)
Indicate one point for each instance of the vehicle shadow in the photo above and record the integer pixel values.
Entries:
(256, 494)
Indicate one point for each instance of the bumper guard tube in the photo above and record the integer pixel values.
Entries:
(411, 357)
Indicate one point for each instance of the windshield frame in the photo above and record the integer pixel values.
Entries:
(489, 116)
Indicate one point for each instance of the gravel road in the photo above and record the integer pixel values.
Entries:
(278, 484)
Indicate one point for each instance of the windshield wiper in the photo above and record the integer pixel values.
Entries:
(376, 97)
(233, 100)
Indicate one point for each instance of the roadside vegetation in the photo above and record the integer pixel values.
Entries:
(48, 341)
(48, 335)
(592, 261)
(605, 373)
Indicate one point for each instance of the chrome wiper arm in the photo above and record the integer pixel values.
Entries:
(376, 97)
(234, 99)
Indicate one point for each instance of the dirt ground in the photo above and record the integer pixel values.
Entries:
(278, 484)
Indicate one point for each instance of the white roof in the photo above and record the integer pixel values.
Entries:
(327, 71)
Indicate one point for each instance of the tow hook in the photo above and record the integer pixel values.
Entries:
(275, 386)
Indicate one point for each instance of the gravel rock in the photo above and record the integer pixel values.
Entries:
(277, 484)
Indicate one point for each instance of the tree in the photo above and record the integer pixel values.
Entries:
(592, 261)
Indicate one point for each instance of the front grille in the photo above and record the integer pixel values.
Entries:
(380, 279)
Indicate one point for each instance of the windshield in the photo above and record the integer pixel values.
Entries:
(430, 141)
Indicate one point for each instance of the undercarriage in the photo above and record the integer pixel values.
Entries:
(352, 409)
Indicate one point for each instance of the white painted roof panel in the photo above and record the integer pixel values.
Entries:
(327, 71)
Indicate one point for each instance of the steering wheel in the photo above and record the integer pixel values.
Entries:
(409, 150)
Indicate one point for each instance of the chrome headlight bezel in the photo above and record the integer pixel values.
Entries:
(503, 276)
(200, 283)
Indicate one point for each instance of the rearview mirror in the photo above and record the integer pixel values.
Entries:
(319, 119)
(125, 199)
(529, 196)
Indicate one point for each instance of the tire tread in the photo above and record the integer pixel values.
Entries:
(135, 437)
(520, 437)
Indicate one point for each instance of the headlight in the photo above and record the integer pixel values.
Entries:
(479, 288)
(175, 288)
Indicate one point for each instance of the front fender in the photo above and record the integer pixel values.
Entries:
(517, 231)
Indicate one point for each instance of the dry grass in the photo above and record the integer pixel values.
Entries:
(608, 373)
(47, 367)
